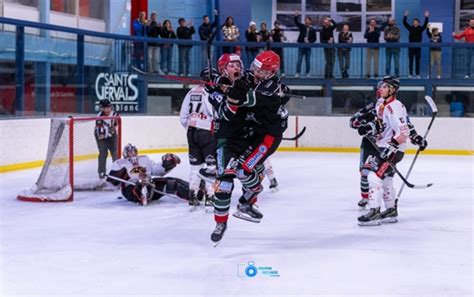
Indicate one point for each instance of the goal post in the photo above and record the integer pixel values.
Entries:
(71, 160)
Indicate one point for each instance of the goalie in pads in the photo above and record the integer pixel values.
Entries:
(144, 176)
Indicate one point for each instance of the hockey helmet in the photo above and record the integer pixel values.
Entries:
(391, 81)
(130, 151)
(266, 64)
(225, 59)
(105, 103)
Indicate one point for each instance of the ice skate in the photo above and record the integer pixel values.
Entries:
(389, 215)
(273, 185)
(218, 233)
(208, 175)
(248, 212)
(372, 218)
(363, 203)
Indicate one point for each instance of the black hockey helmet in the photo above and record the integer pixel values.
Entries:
(105, 103)
(392, 81)
(205, 75)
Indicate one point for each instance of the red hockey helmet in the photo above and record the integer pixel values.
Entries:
(226, 59)
(266, 64)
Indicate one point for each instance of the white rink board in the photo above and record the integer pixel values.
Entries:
(153, 132)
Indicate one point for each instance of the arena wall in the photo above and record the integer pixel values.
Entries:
(25, 141)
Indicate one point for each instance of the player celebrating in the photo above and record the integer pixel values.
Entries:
(269, 119)
(391, 144)
(146, 176)
(196, 116)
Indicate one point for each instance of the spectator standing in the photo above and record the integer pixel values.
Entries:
(230, 33)
(185, 31)
(416, 35)
(251, 35)
(139, 29)
(344, 53)
(327, 36)
(468, 35)
(205, 32)
(154, 31)
(278, 35)
(167, 49)
(264, 34)
(435, 52)
(372, 34)
(392, 35)
(307, 35)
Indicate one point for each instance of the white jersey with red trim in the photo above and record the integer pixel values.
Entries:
(394, 118)
(140, 165)
(196, 111)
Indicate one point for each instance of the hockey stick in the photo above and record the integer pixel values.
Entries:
(434, 110)
(133, 184)
(405, 181)
(294, 138)
(187, 80)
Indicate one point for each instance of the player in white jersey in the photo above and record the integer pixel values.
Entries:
(196, 116)
(270, 174)
(391, 144)
(146, 176)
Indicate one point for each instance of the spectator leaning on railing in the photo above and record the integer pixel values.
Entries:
(205, 31)
(435, 52)
(307, 35)
(185, 31)
(279, 36)
(468, 35)
(153, 31)
(372, 34)
(416, 35)
(344, 53)
(327, 36)
(392, 35)
(167, 49)
(264, 34)
(139, 29)
(230, 33)
(251, 35)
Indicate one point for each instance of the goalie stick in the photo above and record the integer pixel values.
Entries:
(294, 138)
(133, 184)
(434, 110)
(405, 181)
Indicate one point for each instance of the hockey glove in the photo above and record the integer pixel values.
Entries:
(249, 77)
(371, 128)
(420, 141)
(388, 154)
(237, 94)
(169, 161)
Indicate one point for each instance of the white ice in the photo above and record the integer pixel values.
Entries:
(99, 245)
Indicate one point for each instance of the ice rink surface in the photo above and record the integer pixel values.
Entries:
(101, 246)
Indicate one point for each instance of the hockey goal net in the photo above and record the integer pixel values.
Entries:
(71, 162)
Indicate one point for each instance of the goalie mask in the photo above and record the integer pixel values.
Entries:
(130, 153)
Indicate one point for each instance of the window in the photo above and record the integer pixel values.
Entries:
(65, 6)
(32, 3)
(92, 9)
(464, 12)
(356, 13)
